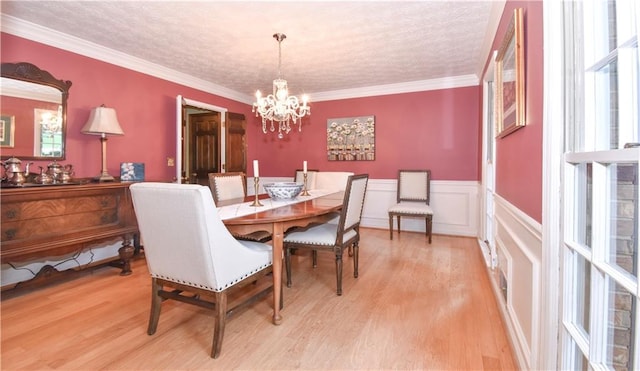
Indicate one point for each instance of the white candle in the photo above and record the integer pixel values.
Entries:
(304, 167)
(256, 170)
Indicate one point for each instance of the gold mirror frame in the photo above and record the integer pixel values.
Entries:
(510, 78)
(32, 75)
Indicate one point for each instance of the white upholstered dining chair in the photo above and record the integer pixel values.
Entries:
(233, 186)
(412, 197)
(228, 186)
(332, 180)
(334, 237)
(311, 178)
(188, 249)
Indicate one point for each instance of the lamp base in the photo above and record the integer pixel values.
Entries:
(104, 177)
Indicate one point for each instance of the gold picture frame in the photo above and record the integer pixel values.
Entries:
(510, 78)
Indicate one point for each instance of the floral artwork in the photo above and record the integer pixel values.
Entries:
(132, 171)
(351, 139)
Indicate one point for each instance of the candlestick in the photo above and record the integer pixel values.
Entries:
(256, 185)
(304, 189)
(256, 169)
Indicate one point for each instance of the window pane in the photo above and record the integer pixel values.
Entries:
(583, 204)
(620, 334)
(606, 111)
(583, 292)
(624, 217)
(580, 362)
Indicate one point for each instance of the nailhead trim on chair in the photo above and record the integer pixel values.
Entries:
(219, 289)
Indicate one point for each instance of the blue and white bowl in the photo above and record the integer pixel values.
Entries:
(283, 191)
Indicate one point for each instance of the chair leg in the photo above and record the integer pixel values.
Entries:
(356, 252)
(287, 265)
(221, 316)
(429, 226)
(314, 254)
(339, 271)
(156, 302)
(398, 216)
(390, 227)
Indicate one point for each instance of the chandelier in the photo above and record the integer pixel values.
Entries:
(51, 123)
(280, 107)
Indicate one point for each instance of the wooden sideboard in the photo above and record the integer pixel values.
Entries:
(49, 221)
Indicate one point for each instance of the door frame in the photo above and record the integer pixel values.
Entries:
(181, 102)
(486, 238)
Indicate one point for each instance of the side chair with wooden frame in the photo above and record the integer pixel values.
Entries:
(412, 197)
(228, 186)
(233, 186)
(298, 177)
(334, 237)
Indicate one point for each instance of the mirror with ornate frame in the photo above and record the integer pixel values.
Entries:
(33, 118)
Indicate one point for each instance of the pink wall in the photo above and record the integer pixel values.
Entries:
(146, 108)
(433, 129)
(22, 111)
(519, 155)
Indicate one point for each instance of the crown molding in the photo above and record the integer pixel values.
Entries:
(35, 32)
(47, 36)
(405, 87)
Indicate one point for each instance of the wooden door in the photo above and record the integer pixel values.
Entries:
(204, 146)
(235, 143)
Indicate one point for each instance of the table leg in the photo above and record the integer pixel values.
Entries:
(277, 243)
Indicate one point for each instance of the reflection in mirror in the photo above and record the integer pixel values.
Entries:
(34, 106)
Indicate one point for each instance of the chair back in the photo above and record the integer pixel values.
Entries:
(414, 185)
(228, 186)
(332, 180)
(185, 241)
(311, 178)
(353, 204)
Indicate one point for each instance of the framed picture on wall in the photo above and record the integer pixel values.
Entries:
(7, 131)
(510, 78)
(132, 171)
(351, 139)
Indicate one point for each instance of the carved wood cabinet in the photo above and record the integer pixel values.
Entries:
(49, 221)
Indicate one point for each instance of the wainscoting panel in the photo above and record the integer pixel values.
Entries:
(455, 207)
(519, 243)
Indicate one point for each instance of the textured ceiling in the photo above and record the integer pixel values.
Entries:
(330, 46)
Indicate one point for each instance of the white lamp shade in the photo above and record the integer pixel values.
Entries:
(102, 120)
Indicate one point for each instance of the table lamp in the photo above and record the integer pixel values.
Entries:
(103, 121)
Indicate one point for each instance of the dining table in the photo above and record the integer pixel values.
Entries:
(241, 217)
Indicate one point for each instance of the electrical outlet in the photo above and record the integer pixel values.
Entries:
(171, 161)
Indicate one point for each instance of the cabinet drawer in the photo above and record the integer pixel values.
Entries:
(58, 225)
(56, 207)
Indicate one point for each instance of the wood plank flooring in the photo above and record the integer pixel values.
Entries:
(414, 306)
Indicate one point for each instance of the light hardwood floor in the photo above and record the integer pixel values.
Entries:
(415, 306)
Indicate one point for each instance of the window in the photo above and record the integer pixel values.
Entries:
(601, 193)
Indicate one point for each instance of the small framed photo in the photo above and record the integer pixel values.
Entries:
(131, 171)
(7, 131)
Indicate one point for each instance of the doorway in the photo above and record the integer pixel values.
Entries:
(209, 140)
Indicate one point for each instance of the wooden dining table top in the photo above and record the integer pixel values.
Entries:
(306, 208)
